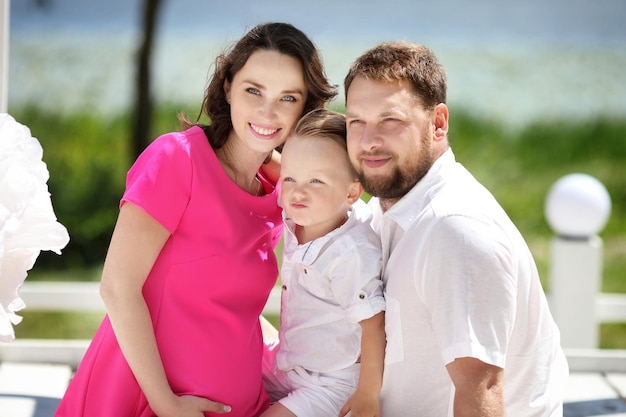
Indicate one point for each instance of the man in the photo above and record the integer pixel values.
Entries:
(469, 331)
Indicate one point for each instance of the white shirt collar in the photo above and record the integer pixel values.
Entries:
(411, 204)
(358, 213)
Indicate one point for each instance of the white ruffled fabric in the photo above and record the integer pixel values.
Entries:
(28, 224)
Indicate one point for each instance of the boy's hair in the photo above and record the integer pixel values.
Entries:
(324, 124)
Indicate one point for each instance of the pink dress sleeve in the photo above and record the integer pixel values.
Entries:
(159, 182)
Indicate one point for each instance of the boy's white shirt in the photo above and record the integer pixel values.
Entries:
(328, 286)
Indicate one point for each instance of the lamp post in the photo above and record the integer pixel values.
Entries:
(577, 209)
(4, 54)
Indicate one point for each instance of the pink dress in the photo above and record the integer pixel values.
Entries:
(205, 292)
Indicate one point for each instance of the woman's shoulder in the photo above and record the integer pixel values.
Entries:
(183, 147)
(180, 141)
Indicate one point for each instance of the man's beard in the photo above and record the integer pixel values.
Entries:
(402, 179)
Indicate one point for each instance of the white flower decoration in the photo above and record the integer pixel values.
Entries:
(28, 224)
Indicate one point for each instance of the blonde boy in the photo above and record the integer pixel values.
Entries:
(328, 360)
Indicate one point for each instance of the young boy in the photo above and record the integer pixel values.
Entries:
(328, 359)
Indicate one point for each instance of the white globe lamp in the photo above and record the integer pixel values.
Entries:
(578, 206)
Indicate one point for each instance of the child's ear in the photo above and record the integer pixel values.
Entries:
(354, 192)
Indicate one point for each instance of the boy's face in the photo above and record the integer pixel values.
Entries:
(317, 183)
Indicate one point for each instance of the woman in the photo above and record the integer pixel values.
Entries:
(191, 260)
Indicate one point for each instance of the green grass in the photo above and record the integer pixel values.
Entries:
(57, 325)
(613, 335)
(518, 166)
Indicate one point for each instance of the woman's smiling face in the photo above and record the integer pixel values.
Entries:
(267, 97)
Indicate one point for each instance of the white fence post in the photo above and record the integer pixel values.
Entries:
(4, 54)
(575, 279)
(577, 208)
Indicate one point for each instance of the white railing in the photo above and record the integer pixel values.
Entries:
(84, 296)
(71, 297)
(577, 208)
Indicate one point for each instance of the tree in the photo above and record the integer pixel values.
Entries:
(143, 99)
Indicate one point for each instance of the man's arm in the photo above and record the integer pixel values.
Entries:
(479, 388)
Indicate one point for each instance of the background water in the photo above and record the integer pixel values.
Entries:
(514, 61)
